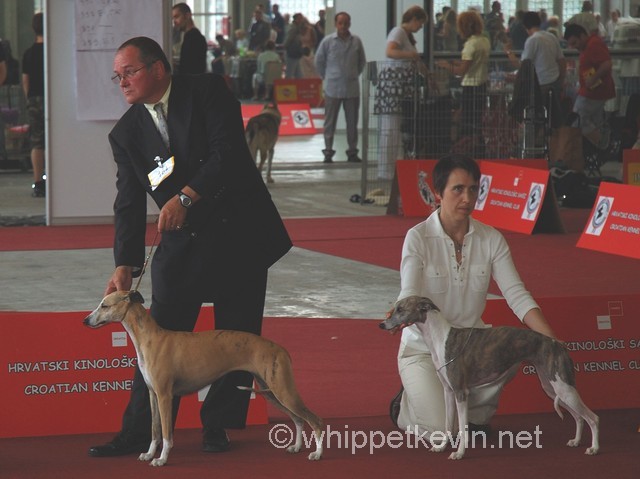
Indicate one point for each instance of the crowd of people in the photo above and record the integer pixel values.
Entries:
(509, 33)
(533, 41)
(294, 37)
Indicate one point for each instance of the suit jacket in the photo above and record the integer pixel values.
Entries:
(234, 225)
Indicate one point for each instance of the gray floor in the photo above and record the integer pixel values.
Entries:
(302, 284)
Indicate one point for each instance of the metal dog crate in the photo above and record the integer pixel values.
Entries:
(423, 121)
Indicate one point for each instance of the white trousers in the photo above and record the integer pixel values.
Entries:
(422, 408)
(390, 145)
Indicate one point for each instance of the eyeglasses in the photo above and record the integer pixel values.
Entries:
(127, 75)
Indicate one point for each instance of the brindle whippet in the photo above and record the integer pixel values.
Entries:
(178, 363)
(469, 357)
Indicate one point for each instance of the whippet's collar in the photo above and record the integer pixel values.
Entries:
(459, 352)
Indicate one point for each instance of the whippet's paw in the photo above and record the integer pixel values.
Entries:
(315, 456)
(591, 451)
(293, 449)
(438, 448)
(456, 455)
(573, 443)
(157, 462)
(145, 456)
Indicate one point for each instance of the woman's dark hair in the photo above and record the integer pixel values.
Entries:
(419, 14)
(447, 164)
(150, 51)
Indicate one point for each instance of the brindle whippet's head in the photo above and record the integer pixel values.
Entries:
(113, 308)
(409, 310)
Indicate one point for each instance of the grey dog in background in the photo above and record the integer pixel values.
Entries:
(470, 357)
(262, 134)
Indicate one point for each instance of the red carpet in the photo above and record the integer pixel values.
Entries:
(252, 456)
(29, 238)
(550, 264)
(346, 372)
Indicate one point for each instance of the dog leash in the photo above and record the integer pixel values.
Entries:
(146, 260)
(460, 352)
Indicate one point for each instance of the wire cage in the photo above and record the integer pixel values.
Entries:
(407, 115)
(14, 145)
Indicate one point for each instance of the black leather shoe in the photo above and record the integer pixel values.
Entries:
(215, 440)
(328, 155)
(121, 445)
(394, 407)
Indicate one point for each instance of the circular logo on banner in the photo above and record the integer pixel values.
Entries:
(484, 189)
(535, 197)
(601, 213)
(300, 119)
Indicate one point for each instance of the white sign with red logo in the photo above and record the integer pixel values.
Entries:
(296, 118)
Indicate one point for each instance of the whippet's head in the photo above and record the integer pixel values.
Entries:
(113, 308)
(407, 311)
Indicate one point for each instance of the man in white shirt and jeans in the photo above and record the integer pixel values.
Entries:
(340, 60)
(544, 51)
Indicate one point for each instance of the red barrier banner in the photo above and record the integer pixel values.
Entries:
(603, 338)
(61, 377)
(614, 224)
(298, 90)
(631, 167)
(513, 194)
(415, 183)
(516, 198)
(296, 118)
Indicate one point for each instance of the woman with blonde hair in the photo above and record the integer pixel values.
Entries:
(474, 69)
(396, 83)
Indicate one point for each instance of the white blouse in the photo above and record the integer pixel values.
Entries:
(429, 268)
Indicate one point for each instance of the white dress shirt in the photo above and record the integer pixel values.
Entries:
(429, 268)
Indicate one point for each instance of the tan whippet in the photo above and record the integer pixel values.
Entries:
(470, 357)
(178, 363)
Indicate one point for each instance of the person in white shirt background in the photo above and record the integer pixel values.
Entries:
(339, 61)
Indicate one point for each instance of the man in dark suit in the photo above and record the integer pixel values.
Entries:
(193, 51)
(220, 230)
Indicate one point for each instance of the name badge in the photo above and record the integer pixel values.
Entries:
(161, 173)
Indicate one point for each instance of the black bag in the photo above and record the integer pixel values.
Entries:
(573, 189)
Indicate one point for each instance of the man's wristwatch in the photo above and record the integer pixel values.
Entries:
(185, 200)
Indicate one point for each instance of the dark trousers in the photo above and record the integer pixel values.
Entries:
(238, 305)
(551, 95)
(474, 99)
(331, 110)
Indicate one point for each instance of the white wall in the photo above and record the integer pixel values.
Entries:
(369, 22)
(80, 167)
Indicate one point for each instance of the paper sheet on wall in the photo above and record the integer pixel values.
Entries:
(101, 26)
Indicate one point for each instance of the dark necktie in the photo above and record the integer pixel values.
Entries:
(163, 128)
